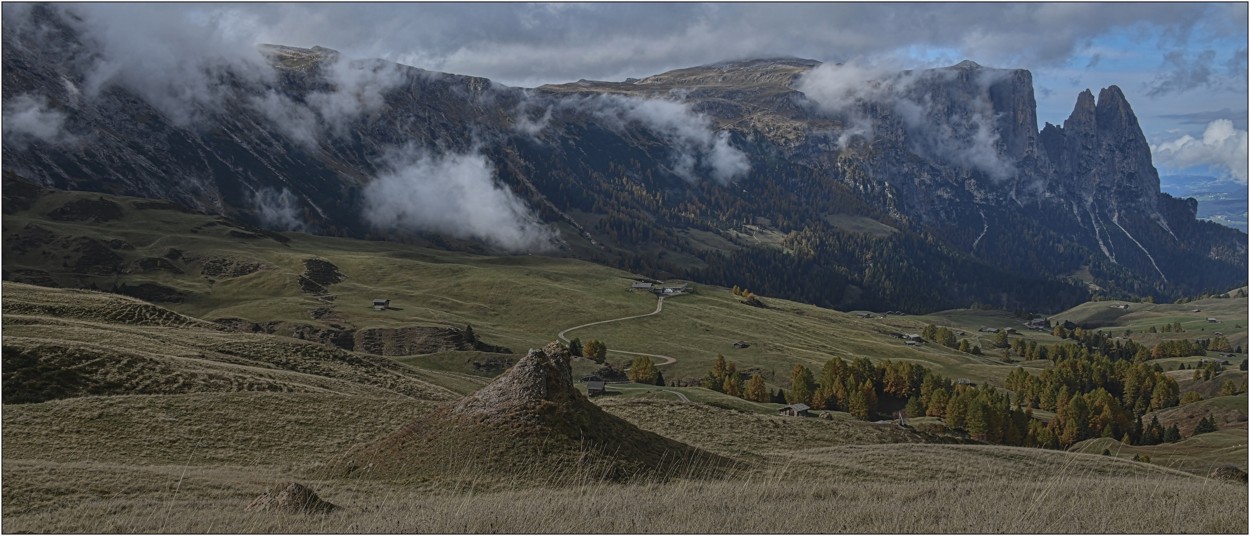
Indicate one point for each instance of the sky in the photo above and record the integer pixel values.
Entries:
(1183, 66)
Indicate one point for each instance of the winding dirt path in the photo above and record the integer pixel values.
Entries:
(659, 306)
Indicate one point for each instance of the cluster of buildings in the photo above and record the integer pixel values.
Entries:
(661, 289)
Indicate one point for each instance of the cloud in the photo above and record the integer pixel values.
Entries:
(530, 43)
(454, 194)
(697, 150)
(529, 118)
(189, 60)
(1222, 146)
(182, 60)
(28, 118)
(1184, 72)
(1205, 117)
(278, 210)
(296, 121)
(960, 129)
(359, 87)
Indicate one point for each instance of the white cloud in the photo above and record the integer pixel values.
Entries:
(454, 194)
(294, 120)
(966, 138)
(1222, 146)
(359, 86)
(182, 60)
(697, 149)
(28, 117)
(278, 210)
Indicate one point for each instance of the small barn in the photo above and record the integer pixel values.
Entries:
(1213, 320)
(638, 285)
(988, 330)
(742, 344)
(795, 410)
(381, 304)
(596, 388)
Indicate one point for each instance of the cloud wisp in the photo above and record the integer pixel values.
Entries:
(29, 117)
(278, 210)
(697, 150)
(967, 138)
(454, 194)
(1222, 146)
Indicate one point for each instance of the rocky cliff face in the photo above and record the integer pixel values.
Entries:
(625, 172)
(1101, 155)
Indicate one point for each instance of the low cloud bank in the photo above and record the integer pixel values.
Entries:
(454, 194)
(1222, 147)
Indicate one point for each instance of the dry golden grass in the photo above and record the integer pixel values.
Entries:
(750, 436)
(1062, 493)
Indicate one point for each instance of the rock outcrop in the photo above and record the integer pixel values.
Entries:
(290, 498)
(530, 424)
(1230, 473)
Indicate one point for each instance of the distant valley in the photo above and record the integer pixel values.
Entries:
(1221, 201)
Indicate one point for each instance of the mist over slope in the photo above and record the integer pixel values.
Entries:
(841, 185)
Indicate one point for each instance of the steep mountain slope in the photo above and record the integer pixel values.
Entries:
(764, 173)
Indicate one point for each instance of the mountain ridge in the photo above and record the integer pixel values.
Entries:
(678, 173)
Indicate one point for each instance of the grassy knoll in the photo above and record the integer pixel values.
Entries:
(1199, 454)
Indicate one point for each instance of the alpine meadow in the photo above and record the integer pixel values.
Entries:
(624, 268)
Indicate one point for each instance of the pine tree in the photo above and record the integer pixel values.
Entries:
(914, 408)
(659, 378)
(756, 391)
(1228, 388)
(780, 397)
(801, 383)
(595, 350)
(937, 404)
(1000, 339)
(575, 347)
(965, 346)
(731, 386)
(1172, 434)
(715, 379)
(642, 370)
(858, 405)
(469, 336)
(946, 337)
(737, 291)
(1207, 424)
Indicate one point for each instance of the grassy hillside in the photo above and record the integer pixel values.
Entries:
(211, 268)
(141, 415)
